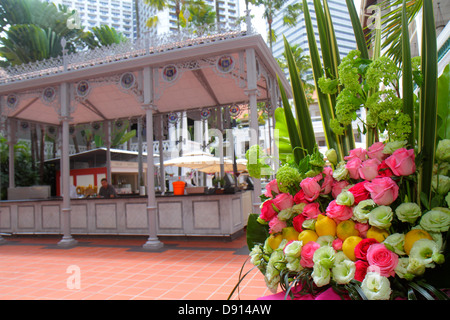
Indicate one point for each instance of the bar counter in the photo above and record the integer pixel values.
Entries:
(222, 215)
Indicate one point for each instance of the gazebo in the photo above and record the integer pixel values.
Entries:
(144, 79)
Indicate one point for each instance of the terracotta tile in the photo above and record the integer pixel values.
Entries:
(111, 272)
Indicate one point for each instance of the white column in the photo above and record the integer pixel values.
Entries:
(162, 171)
(252, 93)
(107, 132)
(67, 239)
(11, 143)
(140, 166)
(153, 242)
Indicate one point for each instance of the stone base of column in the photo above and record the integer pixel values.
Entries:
(153, 244)
(67, 242)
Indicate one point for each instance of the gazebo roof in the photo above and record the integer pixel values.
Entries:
(106, 83)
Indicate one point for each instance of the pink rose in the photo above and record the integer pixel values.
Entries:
(311, 210)
(328, 181)
(362, 229)
(376, 151)
(276, 225)
(297, 222)
(284, 201)
(337, 187)
(402, 162)
(267, 210)
(337, 244)
(307, 254)
(338, 212)
(383, 259)
(383, 191)
(353, 166)
(300, 197)
(311, 189)
(271, 188)
(369, 169)
(359, 153)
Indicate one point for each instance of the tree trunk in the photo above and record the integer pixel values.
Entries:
(217, 15)
(138, 28)
(177, 12)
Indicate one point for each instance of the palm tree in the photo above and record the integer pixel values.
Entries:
(32, 30)
(272, 8)
(391, 25)
(200, 13)
(104, 36)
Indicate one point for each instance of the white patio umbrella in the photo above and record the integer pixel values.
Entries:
(204, 163)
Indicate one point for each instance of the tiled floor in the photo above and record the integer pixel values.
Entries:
(33, 267)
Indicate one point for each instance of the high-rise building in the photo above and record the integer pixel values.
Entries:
(297, 35)
(167, 19)
(93, 13)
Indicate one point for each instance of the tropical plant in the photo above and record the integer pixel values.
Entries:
(200, 14)
(104, 35)
(32, 30)
(393, 22)
(272, 8)
(24, 174)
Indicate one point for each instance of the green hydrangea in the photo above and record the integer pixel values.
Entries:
(399, 127)
(381, 70)
(328, 86)
(348, 71)
(347, 104)
(256, 165)
(288, 178)
(383, 105)
(335, 125)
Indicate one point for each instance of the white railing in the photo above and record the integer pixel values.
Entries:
(145, 46)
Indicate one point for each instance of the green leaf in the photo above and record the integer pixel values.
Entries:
(424, 200)
(305, 127)
(443, 100)
(324, 102)
(421, 290)
(256, 232)
(98, 141)
(428, 112)
(408, 89)
(294, 134)
(357, 29)
(127, 136)
(281, 136)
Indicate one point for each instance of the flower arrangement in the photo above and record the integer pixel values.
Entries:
(365, 223)
(350, 225)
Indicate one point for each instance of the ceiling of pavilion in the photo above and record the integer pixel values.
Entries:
(186, 76)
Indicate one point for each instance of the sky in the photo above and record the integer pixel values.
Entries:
(258, 21)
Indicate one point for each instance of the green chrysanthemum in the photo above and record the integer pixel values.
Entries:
(288, 178)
